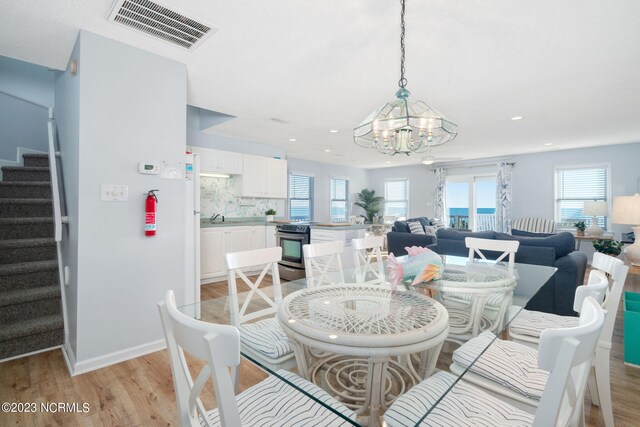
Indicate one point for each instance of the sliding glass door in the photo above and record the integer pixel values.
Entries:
(471, 202)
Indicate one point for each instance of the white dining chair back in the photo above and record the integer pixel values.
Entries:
(323, 263)
(266, 259)
(367, 259)
(254, 312)
(507, 247)
(218, 346)
(565, 353)
(283, 399)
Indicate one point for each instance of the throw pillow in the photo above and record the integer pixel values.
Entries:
(430, 230)
(437, 223)
(416, 227)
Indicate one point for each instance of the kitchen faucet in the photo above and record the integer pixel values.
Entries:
(213, 218)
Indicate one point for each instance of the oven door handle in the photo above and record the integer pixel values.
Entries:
(291, 236)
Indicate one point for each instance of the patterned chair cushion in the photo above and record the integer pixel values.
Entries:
(267, 337)
(274, 403)
(465, 405)
(508, 363)
(532, 323)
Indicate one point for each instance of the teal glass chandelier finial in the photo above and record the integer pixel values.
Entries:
(404, 125)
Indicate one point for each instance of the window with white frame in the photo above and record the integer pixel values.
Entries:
(339, 199)
(300, 197)
(396, 198)
(575, 185)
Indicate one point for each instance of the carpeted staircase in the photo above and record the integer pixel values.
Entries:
(30, 305)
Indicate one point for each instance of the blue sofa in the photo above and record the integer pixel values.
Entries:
(401, 237)
(556, 250)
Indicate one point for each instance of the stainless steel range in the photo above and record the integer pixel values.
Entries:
(291, 238)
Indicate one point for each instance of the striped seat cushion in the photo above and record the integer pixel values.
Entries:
(508, 363)
(274, 403)
(464, 406)
(267, 337)
(532, 323)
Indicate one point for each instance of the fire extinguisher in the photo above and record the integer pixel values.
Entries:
(150, 213)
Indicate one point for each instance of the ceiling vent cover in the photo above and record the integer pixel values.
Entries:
(161, 22)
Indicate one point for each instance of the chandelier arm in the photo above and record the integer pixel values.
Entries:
(402, 82)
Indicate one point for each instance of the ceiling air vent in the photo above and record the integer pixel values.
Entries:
(161, 22)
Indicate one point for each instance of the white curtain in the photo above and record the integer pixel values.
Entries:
(441, 188)
(503, 197)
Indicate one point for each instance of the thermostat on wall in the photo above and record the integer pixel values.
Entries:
(149, 168)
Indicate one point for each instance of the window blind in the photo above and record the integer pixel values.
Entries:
(339, 191)
(396, 198)
(574, 186)
(300, 197)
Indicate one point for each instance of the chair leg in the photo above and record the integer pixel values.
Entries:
(592, 385)
(603, 383)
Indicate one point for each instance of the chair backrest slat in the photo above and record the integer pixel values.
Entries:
(617, 272)
(266, 259)
(507, 247)
(323, 263)
(365, 251)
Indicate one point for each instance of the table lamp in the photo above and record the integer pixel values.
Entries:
(626, 210)
(595, 209)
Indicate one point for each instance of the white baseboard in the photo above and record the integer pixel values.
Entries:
(69, 357)
(116, 357)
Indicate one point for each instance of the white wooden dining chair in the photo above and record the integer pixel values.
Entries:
(323, 263)
(367, 259)
(507, 247)
(510, 369)
(254, 312)
(272, 401)
(564, 353)
(527, 326)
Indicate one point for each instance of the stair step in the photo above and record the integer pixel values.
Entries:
(22, 173)
(25, 304)
(24, 250)
(25, 208)
(31, 335)
(31, 274)
(25, 190)
(37, 160)
(25, 228)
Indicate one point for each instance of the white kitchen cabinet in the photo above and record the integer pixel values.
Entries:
(324, 235)
(212, 252)
(262, 177)
(270, 236)
(215, 242)
(218, 161)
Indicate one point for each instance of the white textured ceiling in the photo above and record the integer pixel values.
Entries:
(570, 67)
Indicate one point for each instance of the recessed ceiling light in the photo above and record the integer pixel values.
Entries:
(515, 118)
(333, 131)
(326, 151)
(388, 161)
(292, 140)
(548, 143)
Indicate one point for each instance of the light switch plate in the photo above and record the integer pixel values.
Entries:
(114, 193)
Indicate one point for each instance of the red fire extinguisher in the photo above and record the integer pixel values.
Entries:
(150, 213)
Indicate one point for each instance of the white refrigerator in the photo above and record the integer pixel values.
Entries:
(192, 229)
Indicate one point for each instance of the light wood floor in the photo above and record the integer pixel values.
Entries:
(139, 392)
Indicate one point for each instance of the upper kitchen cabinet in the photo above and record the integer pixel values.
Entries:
(262, 177)
(217, 161)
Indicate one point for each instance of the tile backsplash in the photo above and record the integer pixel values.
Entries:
(217, 196)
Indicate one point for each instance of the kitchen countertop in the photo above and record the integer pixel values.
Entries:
(340, 227)
(232, 223)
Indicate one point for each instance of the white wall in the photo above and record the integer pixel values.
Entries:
(422, 186)
(323, 172)
(132, 108)
(29, 81)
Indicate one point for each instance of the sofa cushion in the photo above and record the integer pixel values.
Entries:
(415, 227)
(563, 243)
(401, 226)
(516, 232)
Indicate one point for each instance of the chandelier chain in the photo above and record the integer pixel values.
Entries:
(402, 82)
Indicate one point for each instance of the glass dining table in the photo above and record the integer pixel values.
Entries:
(366, 343)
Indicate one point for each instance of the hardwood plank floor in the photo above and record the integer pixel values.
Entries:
(139, 392)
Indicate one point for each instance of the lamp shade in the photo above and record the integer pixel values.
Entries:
(626, 209)
(596, 208)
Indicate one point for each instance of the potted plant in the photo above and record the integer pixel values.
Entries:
(369, 202)
(608, 247)
(270, 214)
(580, 227)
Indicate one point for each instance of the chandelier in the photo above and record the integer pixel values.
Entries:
(404, 125)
